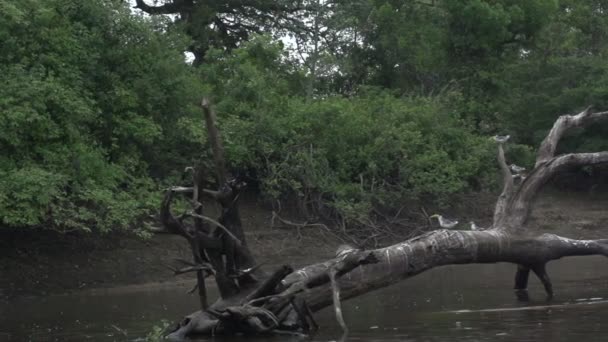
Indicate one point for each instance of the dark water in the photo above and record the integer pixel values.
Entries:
(460, 303)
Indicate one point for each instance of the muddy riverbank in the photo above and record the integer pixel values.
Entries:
(45, 263)
(40, 263)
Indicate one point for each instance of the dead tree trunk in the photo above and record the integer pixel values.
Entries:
(285, 300)
(218, 246)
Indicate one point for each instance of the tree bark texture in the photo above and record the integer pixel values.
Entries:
(284, 300)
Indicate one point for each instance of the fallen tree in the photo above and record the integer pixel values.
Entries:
(253, 302)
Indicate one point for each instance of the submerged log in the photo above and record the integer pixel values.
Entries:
(285, 300)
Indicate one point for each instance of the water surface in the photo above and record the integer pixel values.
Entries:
(455, 303)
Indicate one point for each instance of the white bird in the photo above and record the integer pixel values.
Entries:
(475, 227)
(501, 138)
(516, 168)
(444, 222)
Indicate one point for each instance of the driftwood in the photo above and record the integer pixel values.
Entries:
(285, 300)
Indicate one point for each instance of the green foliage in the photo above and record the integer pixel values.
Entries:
(565, 71)
(445, 75)
(390, 100)
(481, 29)
(348, 153)
(91, 101)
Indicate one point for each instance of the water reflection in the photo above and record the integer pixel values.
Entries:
(467, 303)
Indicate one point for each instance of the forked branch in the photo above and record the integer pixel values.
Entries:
(514, 205)
(561, 126)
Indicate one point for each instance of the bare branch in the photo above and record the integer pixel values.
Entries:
(521, 204)
(561, 125)
(507, 192)
(211, 193)
(215, 140)
(514, 205)
(219, 225)
(169, 222)
(268, 286)
(336, 300)
(298, 226)
(196, 268)
(406, 259)
(578, 159)
(392, 264)
(341, 265)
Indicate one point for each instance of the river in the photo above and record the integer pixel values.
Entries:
(454, 303)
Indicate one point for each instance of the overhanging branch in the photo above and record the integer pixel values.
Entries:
(217, 224)
(513, 207)
(561, 125)
(522, 202)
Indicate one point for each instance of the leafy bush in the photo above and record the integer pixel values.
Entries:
(350, 154)
(90, 108)
(98, 107)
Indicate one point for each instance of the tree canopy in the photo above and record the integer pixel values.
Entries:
(345, 106)
(84, 126)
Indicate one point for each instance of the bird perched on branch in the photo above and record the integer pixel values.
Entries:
(501, 139)
(517, 169)
(444, 222)
(475, 227)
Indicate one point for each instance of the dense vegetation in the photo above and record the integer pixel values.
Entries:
(350, 107)
(90, 106)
